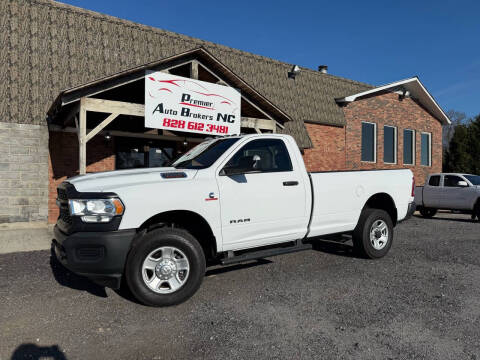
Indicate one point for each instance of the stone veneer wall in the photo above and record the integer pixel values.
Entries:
(23, 173)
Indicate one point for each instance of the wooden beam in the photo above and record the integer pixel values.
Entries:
(133, 135)
(82, 142)
(117, 107)
(194, 69)
(263, 124)
(101, 126)
(71, 114)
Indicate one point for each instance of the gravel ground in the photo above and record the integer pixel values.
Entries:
(422, 301)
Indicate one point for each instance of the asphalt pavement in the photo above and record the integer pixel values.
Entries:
(422, 301)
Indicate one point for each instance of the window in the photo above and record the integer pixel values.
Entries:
(204, 155)
(408, 147)
(272, 153)
(451, 180)
(474, 179)
(434, 180)
(389, 144)
(369, 142)
(426, 144)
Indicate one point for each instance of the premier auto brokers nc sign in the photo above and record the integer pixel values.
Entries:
(183, 104)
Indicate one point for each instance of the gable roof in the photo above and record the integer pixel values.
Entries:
(416, 90)
(137, 73)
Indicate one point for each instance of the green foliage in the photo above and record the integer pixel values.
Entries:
(463, 154)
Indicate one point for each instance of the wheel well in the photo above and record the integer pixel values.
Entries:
(384, 202)
(190, 221)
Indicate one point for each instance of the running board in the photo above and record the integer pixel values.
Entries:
(264, 253)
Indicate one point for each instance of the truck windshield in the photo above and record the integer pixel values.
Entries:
(474, 179)
(204, 155)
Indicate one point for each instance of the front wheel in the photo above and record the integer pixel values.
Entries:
(373, 235)
(165, 267)
(428, 212)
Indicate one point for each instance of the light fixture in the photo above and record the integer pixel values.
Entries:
(185, 143)
(108, 137)
(294, 72)
(404, 95)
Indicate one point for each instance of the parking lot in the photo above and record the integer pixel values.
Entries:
(422, 301)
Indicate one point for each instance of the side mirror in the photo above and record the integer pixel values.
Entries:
(462, 183)
(247, 164)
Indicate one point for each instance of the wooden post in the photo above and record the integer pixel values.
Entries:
(194, 70)
(82, 138)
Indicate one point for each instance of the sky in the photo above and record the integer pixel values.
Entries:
(376, 42)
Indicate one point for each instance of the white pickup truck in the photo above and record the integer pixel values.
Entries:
(227, 200)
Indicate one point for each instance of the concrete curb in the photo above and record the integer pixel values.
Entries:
(25, 237)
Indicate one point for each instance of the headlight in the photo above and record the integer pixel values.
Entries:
(96, 210)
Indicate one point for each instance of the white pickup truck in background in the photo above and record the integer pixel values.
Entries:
(453, 191)
(227, 200)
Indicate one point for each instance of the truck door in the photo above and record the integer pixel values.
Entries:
(262, 196)
(432, 192)
(455, 196)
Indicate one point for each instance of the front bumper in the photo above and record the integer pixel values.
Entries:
(100, 256)
(411, 209)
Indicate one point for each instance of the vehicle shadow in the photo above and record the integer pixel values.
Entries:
(69, 279)
(334, 248)
(447, 219)
(35, 352)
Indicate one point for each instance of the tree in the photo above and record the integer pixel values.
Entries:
(458, 158)
(456, 118)
(474, 144)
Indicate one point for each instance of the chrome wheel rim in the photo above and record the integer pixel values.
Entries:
(379, 234)
(165, 270)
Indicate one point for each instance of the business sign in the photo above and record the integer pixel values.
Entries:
(183, 104)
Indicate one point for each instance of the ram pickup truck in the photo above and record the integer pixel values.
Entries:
(227, 200)
(459, 192)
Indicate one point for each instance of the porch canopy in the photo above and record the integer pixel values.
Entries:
(114, 105)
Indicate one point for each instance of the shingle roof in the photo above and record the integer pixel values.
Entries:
(48, 46)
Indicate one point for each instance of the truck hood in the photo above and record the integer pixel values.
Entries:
(110, 180)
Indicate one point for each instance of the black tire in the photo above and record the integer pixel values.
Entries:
(476, 211)
(361, 235)
(165, 237)
(428, 212)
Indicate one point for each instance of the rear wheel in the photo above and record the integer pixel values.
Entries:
(373, 235)
(165, 267)
(428, 212)
(476, 211)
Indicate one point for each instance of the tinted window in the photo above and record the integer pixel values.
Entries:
(204, 154)
(389, 144)
(425, 140)
(451, 180)
(474, 179)
(408, 148)
(434, 180)
(368, 142)
(272, 153)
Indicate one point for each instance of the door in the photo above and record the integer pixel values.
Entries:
(262, 196)
(433, 193)
(455, 196)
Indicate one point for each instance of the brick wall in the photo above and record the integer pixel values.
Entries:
(63, 162)
(387, 109)
(328, 152)
(23, 172)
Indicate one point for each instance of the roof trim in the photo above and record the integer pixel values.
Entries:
(416, 89)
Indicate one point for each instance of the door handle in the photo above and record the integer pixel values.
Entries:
(290, 183)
